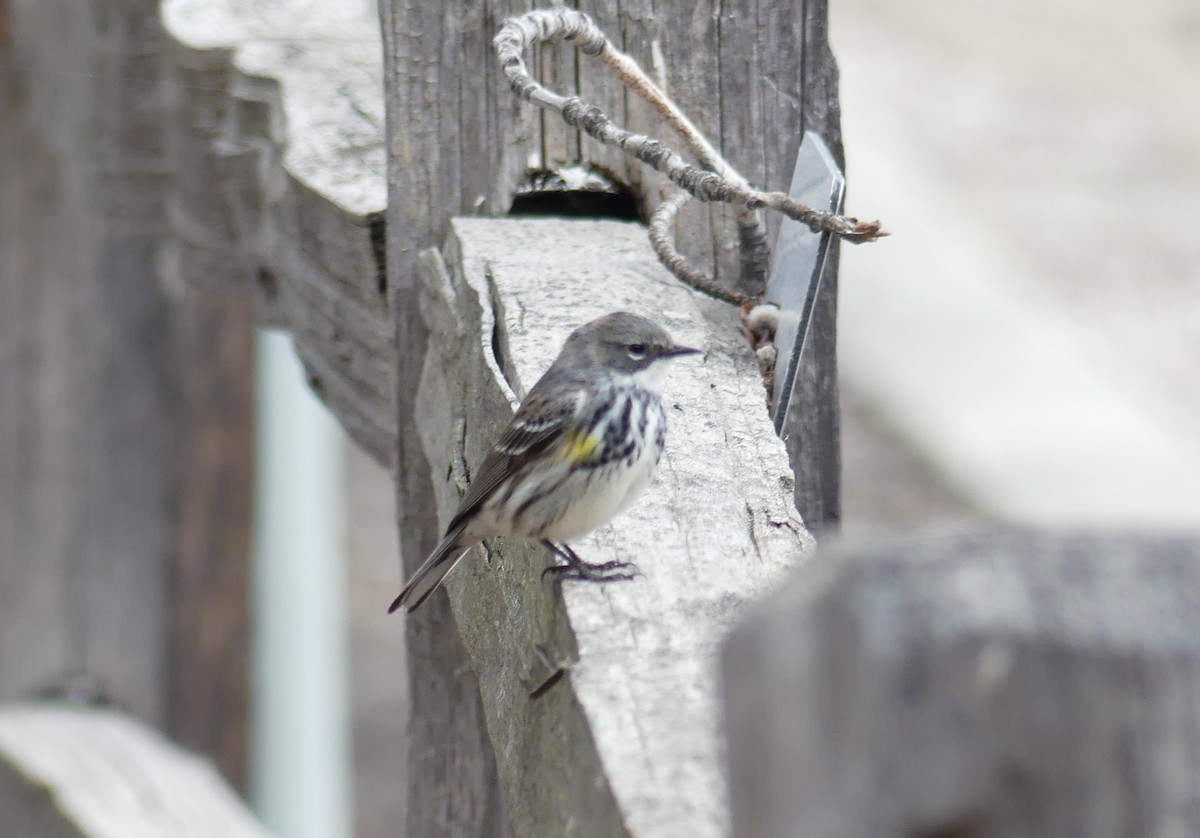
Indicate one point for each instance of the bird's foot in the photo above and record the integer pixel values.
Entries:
(592, 572)
(579, 570)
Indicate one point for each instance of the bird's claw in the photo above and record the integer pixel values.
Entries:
(601, 572)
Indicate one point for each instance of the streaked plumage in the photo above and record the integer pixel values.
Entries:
(581, 447)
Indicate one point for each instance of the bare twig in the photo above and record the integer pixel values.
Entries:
(708, 186)
(752, 233)
(717, 181)
(664, 248)
(566, 24)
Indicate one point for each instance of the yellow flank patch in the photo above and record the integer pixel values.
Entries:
(580, 446)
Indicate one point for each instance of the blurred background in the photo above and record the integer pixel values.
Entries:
(1025, 346)
(1022, 349)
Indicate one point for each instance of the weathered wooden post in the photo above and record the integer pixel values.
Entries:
(972, 686)
(591, 694)
(123, 493)
(752, 76)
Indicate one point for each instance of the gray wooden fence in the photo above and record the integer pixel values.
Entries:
(954, 685)
(174, 177)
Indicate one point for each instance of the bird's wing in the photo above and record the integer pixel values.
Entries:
(538, 426)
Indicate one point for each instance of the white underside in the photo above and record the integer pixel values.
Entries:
(607, 495)
(577, 500)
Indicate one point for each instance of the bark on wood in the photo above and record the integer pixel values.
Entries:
(69, 772)
(990, 685)
(601, 701)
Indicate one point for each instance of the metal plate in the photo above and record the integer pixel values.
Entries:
(800, 254)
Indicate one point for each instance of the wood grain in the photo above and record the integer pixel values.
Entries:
(70, 772)
(600, 701)
(989, 684)
(208, 693)
(458, 143)
(109, 435)
(276, 157)
(88, 413)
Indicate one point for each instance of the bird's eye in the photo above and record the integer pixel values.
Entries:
(637, 351)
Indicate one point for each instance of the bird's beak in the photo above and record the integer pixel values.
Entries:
(677, 351)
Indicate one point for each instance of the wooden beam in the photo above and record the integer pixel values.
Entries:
(208, 694)
(601, 702)
(972, 684)
(74, 772)
(459, 144)
(87, 416)
(277, 186)
(124, 526)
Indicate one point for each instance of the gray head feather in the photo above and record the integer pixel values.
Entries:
(621, 342)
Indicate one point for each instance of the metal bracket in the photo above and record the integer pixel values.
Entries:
(800, 253)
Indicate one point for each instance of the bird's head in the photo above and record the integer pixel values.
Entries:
(627, 344)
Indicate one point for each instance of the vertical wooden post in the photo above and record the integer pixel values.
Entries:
(816, 455)
(208, 693)
(753, 75)
(87, 543)
(974, 685)
(452, 783)
(92, 419)
(275, 199)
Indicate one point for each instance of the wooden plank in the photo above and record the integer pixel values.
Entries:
(455, 138)
(277, 192)
(595, 86)
(208, 693)
(815, 451)
(967, 684)
(34, 490)
(277, 187)
(70, 772)
(601, 703)
(87, 428)
(688, 39)
(432, 53)
(113, 524)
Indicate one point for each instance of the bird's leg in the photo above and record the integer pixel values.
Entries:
(577, 568)
(574, 561)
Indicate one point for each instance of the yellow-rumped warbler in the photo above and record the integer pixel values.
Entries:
(581, 447)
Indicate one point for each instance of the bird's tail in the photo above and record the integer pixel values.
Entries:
(429, 575)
